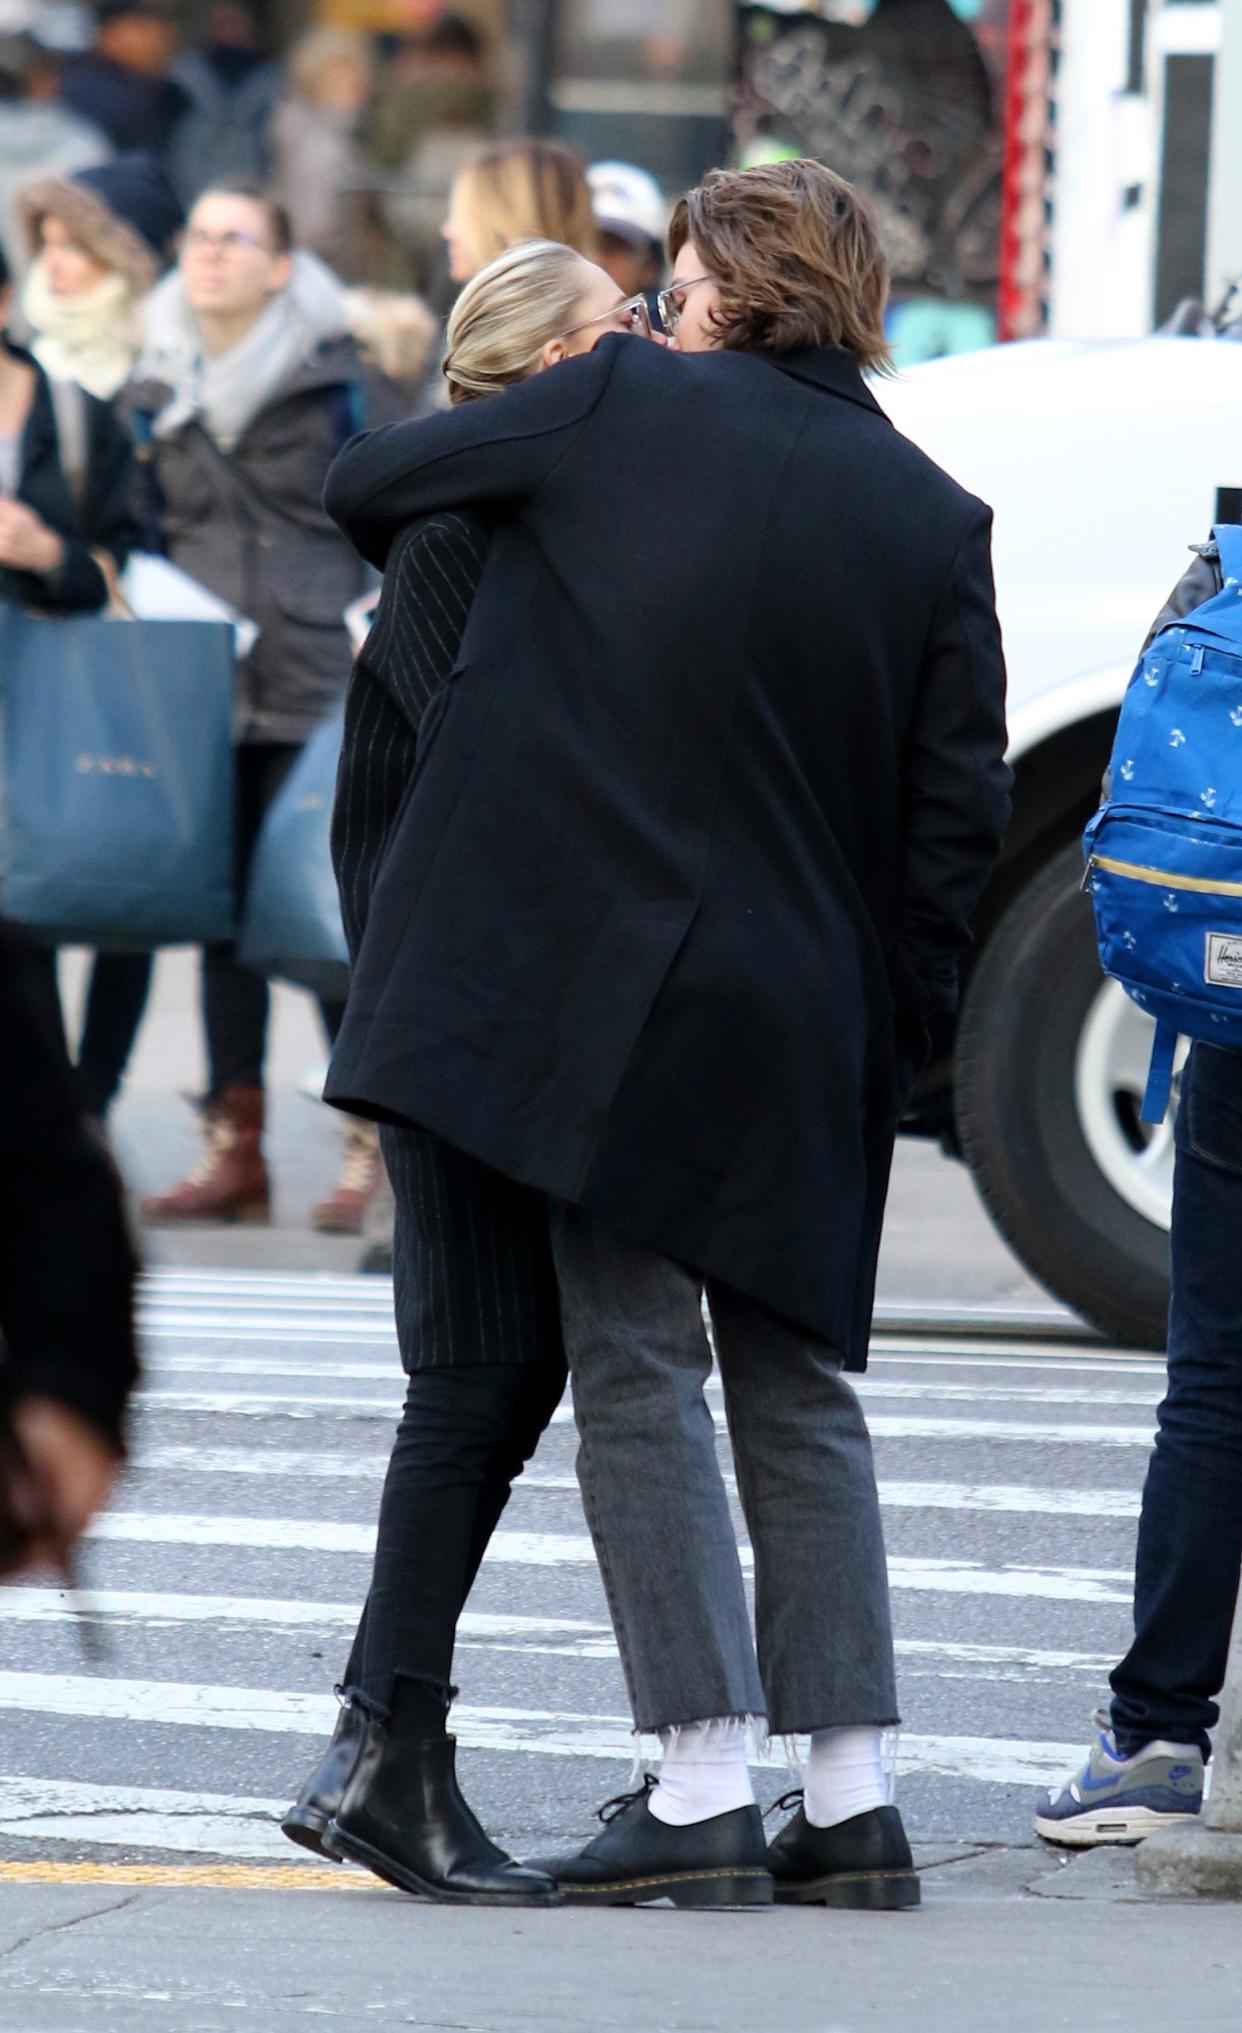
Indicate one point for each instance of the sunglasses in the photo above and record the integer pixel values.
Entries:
(632, 316)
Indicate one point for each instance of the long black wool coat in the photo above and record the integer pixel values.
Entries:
(699, 822)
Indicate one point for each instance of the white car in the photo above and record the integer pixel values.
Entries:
(1103, 462)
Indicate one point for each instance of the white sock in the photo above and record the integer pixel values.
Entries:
(844, 1775)
(703, 1772)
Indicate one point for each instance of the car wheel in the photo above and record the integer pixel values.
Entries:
(1051, 1062)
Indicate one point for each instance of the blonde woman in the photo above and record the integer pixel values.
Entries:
(517, 191)
(478, 1317)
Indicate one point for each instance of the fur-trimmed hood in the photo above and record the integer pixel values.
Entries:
(97, 230)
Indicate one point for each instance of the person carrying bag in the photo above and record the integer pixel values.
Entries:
(108, 788)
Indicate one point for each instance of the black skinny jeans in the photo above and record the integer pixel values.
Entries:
(235, 999)
(464, 1438)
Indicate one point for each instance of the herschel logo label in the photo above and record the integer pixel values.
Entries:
(1223, 964)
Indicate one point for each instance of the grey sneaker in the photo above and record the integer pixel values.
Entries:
(1116, 1799)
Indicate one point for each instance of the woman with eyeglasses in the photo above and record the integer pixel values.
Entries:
(248, 385)
(478, 1315)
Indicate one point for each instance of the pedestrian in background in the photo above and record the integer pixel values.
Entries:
(630, 218)
(1146, 1766)
(38, 136)
(318, 169)
(518, 190)
(68, 1359)
(248, 385)
(478, 1316)
(231, 84)
(123, 85)
(434, 107)
(46, 544)
(96, 245)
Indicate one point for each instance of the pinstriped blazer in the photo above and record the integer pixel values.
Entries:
(474, 1276)
(407, 658)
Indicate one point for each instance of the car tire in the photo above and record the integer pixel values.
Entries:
(1018, 1116)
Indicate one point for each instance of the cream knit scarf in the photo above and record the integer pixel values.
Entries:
(91, 338)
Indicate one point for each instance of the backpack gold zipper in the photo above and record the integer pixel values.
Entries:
(1162, 879)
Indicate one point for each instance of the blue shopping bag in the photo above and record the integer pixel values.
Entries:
(291, 923)
(116, 792)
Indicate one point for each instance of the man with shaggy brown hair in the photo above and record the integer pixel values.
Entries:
(685, 872)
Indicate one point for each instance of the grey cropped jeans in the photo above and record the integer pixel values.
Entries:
(658, 1509)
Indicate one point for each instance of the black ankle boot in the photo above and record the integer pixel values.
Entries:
(308, 1818)
(404, 1817)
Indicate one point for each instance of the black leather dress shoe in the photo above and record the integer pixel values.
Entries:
(863, 1862)
(403, 1817)
(641, 1861)
(308, 1818)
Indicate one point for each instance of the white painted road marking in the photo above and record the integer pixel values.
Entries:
(569, 1549)
(572, 1637)
(279, 1463)
(546, 1733)
(884, 1426)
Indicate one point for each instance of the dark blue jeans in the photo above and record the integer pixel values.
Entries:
(1190, 1528)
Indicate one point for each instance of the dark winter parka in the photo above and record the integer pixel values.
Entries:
(698, 825)
(106, 521)
(250, 525)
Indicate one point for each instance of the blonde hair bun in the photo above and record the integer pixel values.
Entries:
(507, 314)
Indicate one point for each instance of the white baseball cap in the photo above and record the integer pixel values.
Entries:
(627, 201)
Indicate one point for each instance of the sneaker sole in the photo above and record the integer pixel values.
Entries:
(856, 1891)
(1122, 1825)
(730, 1889)
(348, 1849)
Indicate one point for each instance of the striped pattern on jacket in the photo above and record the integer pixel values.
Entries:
(473, 1277)
(409, 655)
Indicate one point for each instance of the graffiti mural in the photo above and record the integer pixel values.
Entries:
(905, 98)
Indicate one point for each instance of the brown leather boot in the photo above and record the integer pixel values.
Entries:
(230, 1181)
(344, 1212)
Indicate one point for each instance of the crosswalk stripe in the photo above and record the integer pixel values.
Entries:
(567, 1549)
(342, 1407)
(547, 1733)
(291, 1331)
(147, 1817)
(560, 1636)
(1019, 1499)
(870, 1387)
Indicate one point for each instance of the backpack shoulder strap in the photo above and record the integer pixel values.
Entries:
(1228, 537)
(69, 410)
(1159, 1073)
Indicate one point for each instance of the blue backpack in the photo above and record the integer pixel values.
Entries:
(1164, 853)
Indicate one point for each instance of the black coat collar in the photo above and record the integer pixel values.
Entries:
(829, 368)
